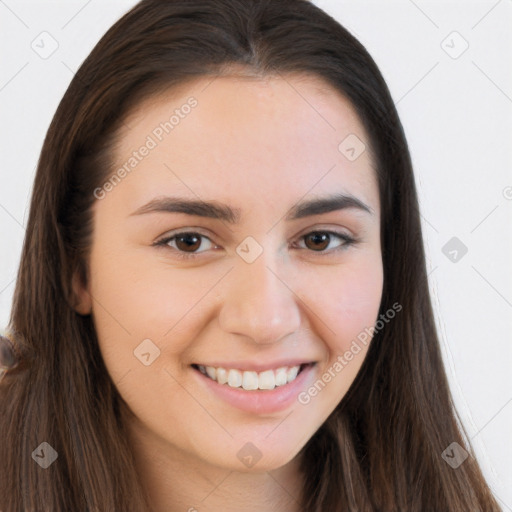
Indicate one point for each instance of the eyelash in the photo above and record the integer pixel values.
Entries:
(349, 241)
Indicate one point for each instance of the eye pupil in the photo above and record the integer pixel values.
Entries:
(318, 238)
(191, 242)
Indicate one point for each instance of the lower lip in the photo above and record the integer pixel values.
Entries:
(261, 401)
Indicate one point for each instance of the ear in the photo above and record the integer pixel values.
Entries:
(82, 303)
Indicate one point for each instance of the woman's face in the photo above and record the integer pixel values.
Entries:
(218, 247)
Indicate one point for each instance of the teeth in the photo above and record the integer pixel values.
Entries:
(222, 376)
(281, 377)
(292, 373)
(249, 380)
(268, 379)
(234, 378)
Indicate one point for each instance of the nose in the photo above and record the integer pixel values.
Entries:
(257, 304)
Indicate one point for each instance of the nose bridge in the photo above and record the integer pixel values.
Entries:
(257, 303)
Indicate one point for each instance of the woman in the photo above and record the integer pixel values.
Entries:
(222, 301)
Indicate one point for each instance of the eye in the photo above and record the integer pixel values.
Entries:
(319, 241)
(186, 242)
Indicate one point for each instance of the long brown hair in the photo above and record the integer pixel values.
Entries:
(381, 448)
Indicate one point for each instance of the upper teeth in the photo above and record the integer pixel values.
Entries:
(268, 379)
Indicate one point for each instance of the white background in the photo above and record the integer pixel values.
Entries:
(457, 116)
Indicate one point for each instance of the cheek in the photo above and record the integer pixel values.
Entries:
(134, 302)
(347, 305)
(347, 301)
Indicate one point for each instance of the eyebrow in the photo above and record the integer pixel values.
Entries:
(216, 210)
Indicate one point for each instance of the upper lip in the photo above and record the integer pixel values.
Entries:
(257, 366)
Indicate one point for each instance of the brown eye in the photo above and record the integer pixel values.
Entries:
(317, 241)
(188, 242)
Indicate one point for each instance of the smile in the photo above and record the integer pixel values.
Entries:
(267, 391)
(251, 380)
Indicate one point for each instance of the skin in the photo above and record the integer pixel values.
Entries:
(259, 145)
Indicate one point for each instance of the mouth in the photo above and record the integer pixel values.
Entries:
(265, 380)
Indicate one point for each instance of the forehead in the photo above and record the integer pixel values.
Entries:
(246, 137)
